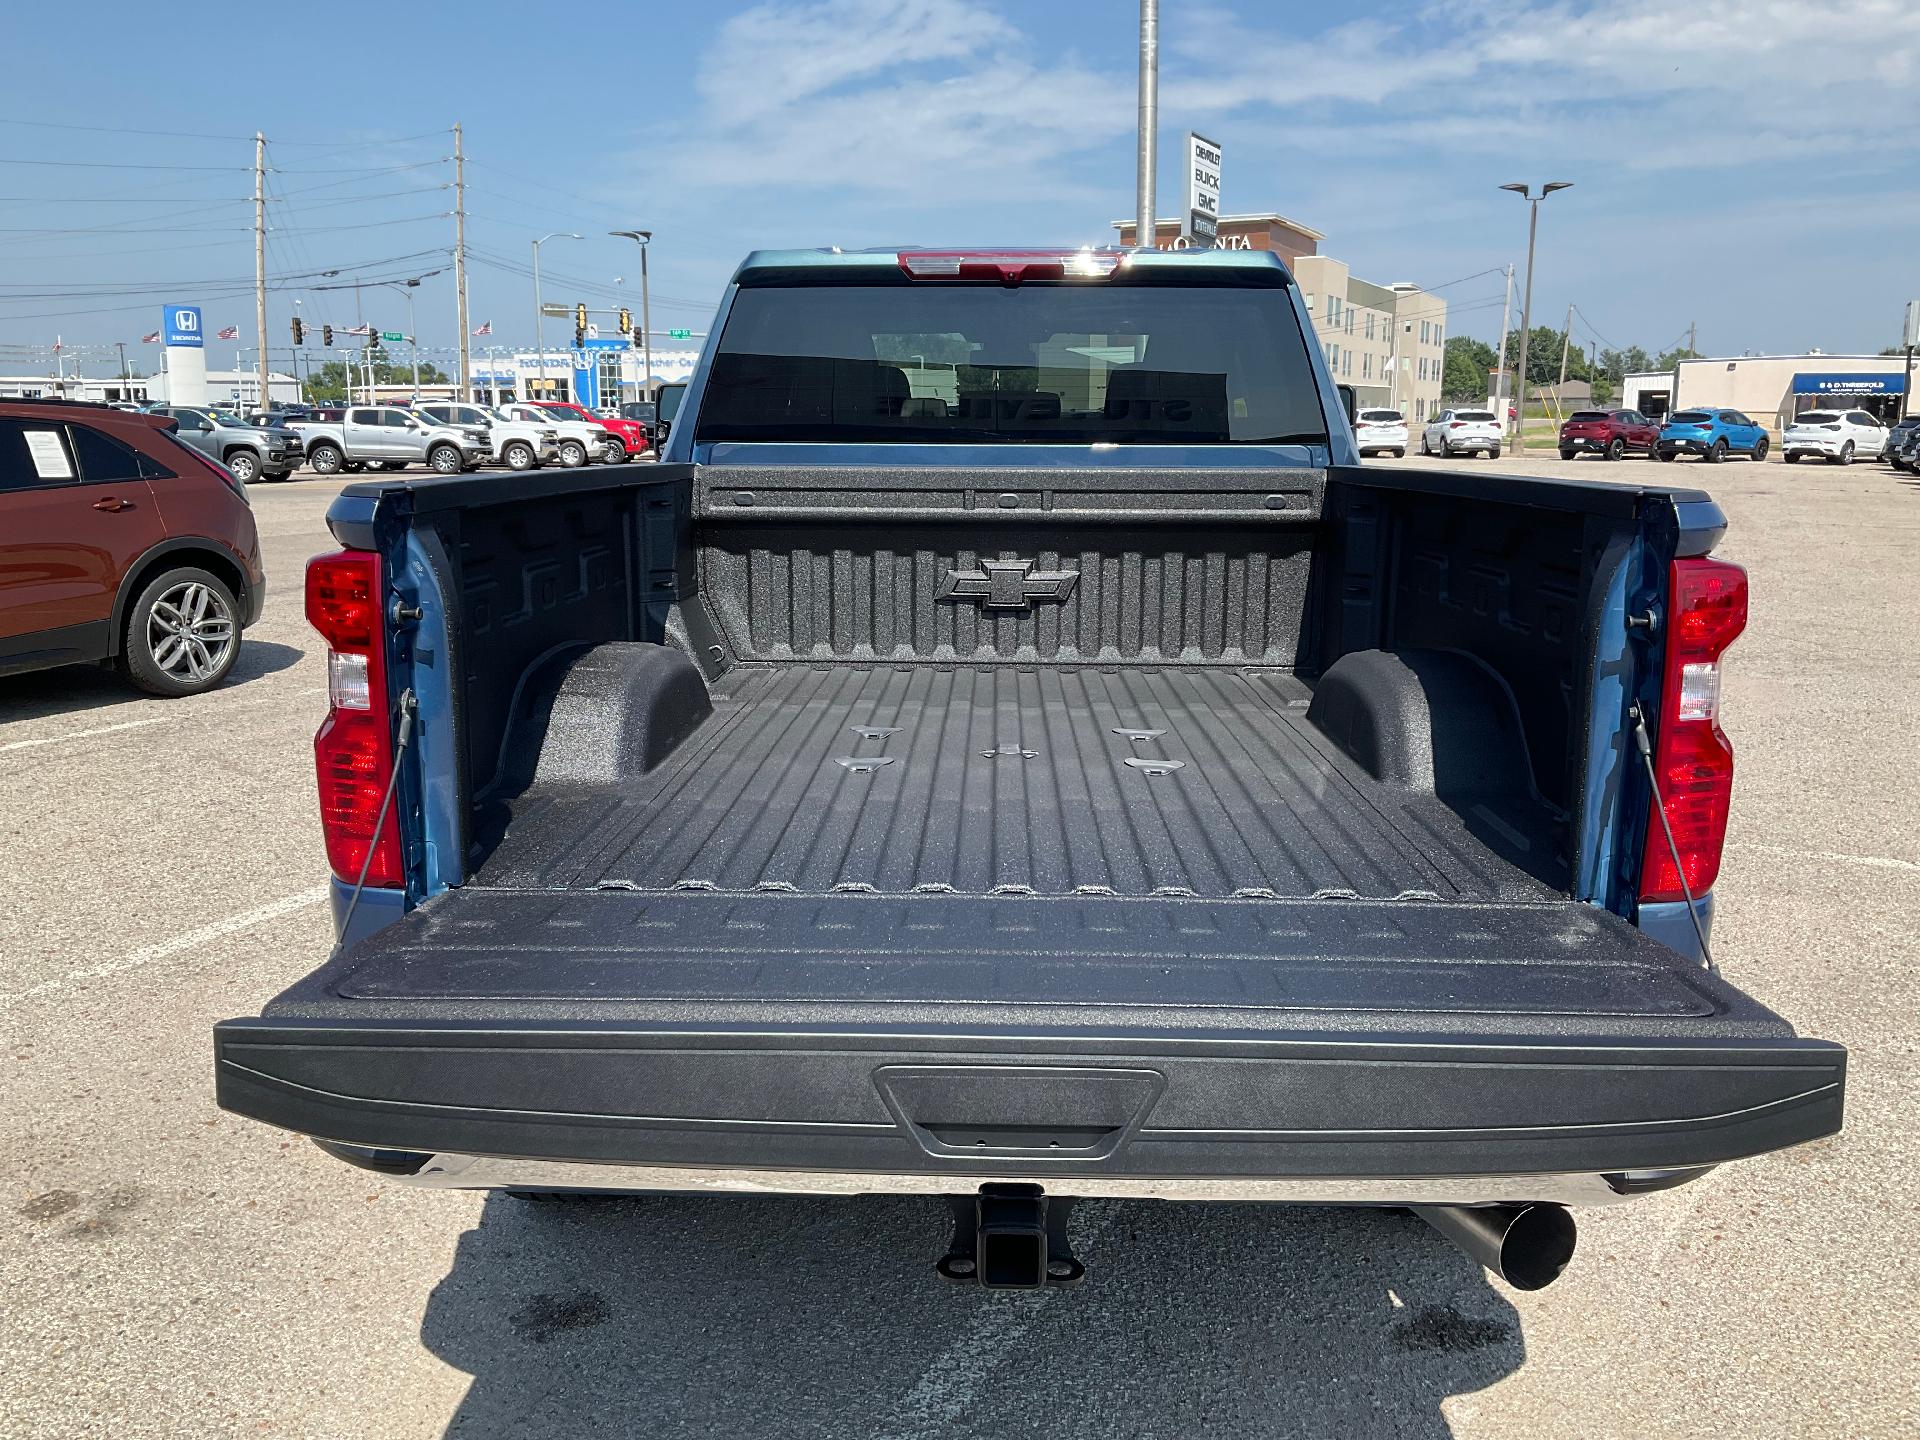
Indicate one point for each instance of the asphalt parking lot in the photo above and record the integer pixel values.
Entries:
(166, 1269)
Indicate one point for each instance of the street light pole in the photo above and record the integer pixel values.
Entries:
(641, 237)
(1145, 231)
(1526, 302)
(539, 313)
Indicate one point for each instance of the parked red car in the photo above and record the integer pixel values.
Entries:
(119, 543)
(633, 436)
(1607, 433)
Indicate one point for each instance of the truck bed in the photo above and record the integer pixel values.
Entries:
(1016, 781)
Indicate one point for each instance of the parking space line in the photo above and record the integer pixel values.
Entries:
(79, 734)
(1874, 862)
(188, 712)
(187, 940)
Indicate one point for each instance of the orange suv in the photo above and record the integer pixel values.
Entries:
(120, 544)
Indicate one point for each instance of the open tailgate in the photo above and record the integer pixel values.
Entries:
(1036, 1036)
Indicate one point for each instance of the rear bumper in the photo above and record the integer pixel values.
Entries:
(478, 1172)
(1343, 1117)
(1682, 447)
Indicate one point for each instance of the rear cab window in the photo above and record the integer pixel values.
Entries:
(1126, 360)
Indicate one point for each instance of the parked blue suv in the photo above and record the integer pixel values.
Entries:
(1711, 434)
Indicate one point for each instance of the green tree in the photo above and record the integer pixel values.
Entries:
(1543, 356)
(1670, 358)
(1468, 369)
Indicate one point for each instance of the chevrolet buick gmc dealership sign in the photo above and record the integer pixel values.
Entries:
(180, 324)
(1203, 190)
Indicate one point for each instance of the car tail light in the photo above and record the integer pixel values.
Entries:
(1707, 610)
(353, 751)
(1457, 425)
(1010, 267)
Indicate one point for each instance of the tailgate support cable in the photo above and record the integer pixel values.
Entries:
(1644, 745)
(409, 705)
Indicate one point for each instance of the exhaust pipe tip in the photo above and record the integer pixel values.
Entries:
(1528, 1246)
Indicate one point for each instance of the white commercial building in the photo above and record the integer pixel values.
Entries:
(1772, 389)
(76, 387)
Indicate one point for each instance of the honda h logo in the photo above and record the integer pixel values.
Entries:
(1006, 584)
(186, 319)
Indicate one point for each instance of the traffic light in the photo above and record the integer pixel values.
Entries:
(626, 321)
(299, 332)
(373, 337)
(579, 326)
(326, 336)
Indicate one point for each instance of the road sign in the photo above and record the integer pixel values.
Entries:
(1911, 331)
(680, 334)
(393, 336)
(556, 312)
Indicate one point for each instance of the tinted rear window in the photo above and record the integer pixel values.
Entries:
(1691, 417)
(1588, 415)
(1815, 417)
(1388, 416)
(1037, 362)
(1473, 415)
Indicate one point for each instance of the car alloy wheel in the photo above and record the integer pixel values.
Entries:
(518, 456)
(1760, 450)
(445, 460)
(1716, 452)
(1616, 448)
(245, 466)
(1846, 453)
(572, 454)
(326, 460)
(190, 633)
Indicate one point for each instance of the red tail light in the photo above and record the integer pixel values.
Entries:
(1456, 425)
(1706, 610)
(353, 751)
(1010, 267)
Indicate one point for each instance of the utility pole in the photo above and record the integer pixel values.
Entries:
(1144, 231)
(1500, 373)
(126, 379)
(1693, 330)
(260, 256)
(460, 262)
(1566, 342)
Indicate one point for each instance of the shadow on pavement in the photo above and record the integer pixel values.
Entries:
(772, 1316)
(73, 688)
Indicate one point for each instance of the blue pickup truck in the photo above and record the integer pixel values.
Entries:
(1011, 750)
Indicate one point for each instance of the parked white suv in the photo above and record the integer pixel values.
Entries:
(580, 443)
(1834, 435)
(1454, 432)
(517, 444)
(1376, 432)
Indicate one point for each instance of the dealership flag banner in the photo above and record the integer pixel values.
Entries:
(485, 328)
(232, 332)
(153, 339)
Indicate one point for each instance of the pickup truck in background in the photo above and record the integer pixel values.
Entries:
(1045, 768)
(517, 444)
(251, 452)
(392, 437)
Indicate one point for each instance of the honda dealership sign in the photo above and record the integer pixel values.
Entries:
(180, 325)
(1202, 225)
(185, 355)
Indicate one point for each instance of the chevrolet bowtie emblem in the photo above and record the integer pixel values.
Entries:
(1006, 584)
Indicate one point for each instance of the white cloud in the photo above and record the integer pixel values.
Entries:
(937, 100)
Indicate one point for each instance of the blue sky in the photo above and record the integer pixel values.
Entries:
(1751, 166)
